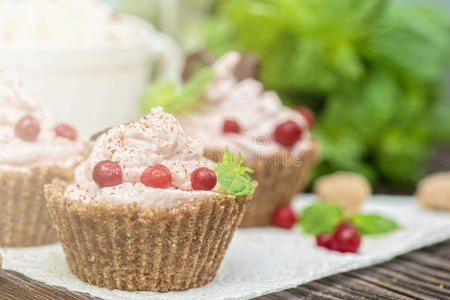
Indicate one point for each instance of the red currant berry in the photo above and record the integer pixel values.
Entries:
(344, 225)
(231, 126)
(66, 131)
(107, 173)
(324, 240)
(27, 128)
(287, 133)
(346, 238)
(284, 217)
(203, 179)
(307, 114)
(157, 176)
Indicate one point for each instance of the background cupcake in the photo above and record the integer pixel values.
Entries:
(34, 149)
(142, 213)
(274, 140)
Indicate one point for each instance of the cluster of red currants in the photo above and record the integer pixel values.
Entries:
(345, 238)
(28, 129)
(107, 173)
(286, 133)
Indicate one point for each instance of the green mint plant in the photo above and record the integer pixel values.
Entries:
(233, 176)
(323, 217)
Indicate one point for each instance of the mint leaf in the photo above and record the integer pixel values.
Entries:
(321, 217)
(165, 93)
(373, 224)
(158, 94)
(232, 176)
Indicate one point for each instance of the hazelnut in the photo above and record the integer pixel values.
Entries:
(433, 191)
(349, 190)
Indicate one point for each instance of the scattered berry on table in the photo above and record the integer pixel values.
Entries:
(324, 240)
(284, 217)
(346, 238)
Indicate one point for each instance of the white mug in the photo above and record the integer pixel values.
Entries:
(95, 88)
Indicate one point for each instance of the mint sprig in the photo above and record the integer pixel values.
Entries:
(174, 100)
(373, 224)
(233, 176)
(322, 216)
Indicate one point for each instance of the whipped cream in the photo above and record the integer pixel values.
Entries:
(63, 23)
(48, 149)
(258, 112)
(154, 139)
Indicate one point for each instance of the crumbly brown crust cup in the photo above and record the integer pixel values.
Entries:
(279, 178)
(129, 248)
(24, 219)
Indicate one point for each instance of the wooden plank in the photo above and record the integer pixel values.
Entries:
(415, 267)
(423, 274)
(15, 286)
(366, 290)
(402, 285)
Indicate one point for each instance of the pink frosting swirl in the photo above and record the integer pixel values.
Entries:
(258, 112)
(154, 139)
(48, 149)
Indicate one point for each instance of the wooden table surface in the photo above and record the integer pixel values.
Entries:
(422, 274)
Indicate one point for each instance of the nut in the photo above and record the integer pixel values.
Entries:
(433, 191)
(349, 190)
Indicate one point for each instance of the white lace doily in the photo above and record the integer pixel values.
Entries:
(260, 261)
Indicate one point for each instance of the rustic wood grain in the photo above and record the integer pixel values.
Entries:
(15, 286)
(422, 274)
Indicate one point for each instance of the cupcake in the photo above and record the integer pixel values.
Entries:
(147, 211)
(273, 139)
(34, 150)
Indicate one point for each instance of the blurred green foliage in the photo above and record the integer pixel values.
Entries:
(176, 99)
(370, 69)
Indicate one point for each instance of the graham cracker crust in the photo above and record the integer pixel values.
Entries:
(24, 219)
(130, 248)
(279, 178)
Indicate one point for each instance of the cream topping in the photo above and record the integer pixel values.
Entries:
(64, 23)
(154, 139)
(258, 112)
(48, 149)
